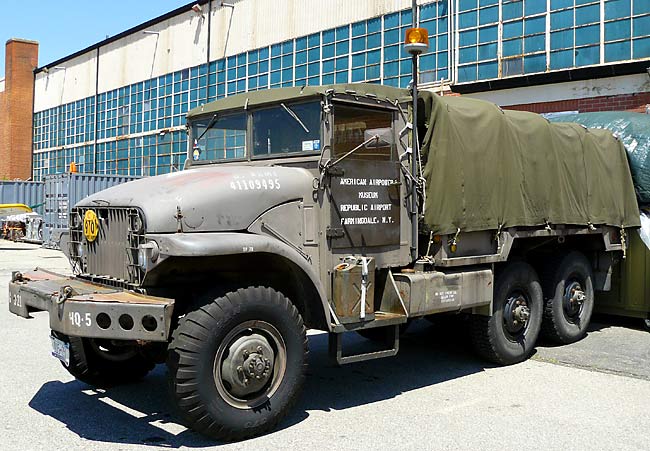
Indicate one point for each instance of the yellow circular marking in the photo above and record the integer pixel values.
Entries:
(91, 225)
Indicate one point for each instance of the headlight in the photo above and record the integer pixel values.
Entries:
(148, 252)
(142, 258)
(136, 224)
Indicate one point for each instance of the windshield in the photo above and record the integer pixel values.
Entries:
(287, 128)
(224, 139)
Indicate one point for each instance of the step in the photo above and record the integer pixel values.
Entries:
(381, 319)
(336, 348)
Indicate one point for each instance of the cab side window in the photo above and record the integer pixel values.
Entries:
(355, 126)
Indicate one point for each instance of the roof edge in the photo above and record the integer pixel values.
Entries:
(123, 34)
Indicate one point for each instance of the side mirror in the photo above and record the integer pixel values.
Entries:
(384, 137)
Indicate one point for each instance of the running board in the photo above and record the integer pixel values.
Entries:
(336, 348)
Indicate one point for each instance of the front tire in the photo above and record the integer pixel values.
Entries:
(569, 300)
(509, 335)
(105, 363)
(237, 364)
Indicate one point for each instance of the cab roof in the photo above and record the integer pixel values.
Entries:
(276, 95)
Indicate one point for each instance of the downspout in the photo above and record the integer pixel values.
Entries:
(31, 160)
(207, 96)
(96, 131)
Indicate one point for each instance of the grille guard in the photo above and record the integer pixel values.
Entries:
(113, 256)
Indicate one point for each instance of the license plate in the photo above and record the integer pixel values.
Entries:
(61, 350)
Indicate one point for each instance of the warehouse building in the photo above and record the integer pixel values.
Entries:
(119, 105)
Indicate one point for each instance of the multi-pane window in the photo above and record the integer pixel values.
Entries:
(198, 85)
(503, 38)
(216, 80)
(170, 152)
(500, 38)
(236, 73)
(281, 64)
(258, 69)
(575, 33)
(335, 51)
(366, 50)
(123, 111)
(164, 112)
(434, 64)
(627, 26)
(149, 104)
(180, 96)
(397, 62)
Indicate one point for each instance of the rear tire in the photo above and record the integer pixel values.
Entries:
(237, 364)
(102, 363)
(569, 298)
(509, 335)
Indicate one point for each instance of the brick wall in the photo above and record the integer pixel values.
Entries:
(637, 102)
(3, 132)
(16, 109)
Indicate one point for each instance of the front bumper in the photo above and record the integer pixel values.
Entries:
(84, 309)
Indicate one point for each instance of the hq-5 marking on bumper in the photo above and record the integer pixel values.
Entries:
(84, 309)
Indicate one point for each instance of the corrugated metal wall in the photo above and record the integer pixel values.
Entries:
(19, 192)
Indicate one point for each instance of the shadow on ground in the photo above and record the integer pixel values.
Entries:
(601, 322)
(134, 414)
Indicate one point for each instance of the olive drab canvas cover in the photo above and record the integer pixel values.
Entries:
(633, 129)
(487, 168)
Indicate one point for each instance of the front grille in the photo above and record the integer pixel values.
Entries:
(113, 255)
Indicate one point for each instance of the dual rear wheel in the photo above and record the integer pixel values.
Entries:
(559, 305)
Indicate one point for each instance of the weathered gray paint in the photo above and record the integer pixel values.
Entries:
(229, 243)
(210, 198)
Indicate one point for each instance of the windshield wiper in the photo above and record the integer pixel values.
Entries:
(295, 116)
(210, 124)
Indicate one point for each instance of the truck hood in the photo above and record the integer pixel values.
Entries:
(210, 199)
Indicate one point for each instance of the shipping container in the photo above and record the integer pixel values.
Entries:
(21, 192)
(63, 191)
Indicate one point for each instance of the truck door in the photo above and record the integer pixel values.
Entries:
(364, 186)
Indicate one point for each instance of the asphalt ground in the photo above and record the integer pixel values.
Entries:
(592, 395)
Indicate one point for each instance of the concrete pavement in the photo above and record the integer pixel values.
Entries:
(435, 394)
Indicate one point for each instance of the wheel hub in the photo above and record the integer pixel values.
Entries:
(516, 314)
(248, 365)
(574, 298)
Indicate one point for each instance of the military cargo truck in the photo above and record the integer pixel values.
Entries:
(315, 208)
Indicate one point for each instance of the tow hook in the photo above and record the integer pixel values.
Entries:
(64, 293)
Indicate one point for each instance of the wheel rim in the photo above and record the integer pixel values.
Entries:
(516, 315)
(573, 300)
(250, 364)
